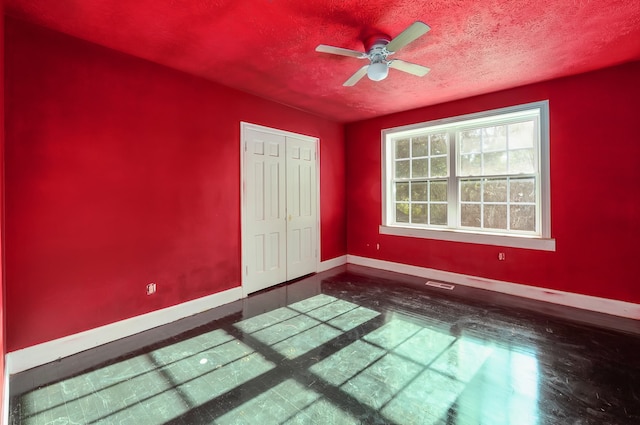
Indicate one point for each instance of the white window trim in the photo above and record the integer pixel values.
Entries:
(544, 242)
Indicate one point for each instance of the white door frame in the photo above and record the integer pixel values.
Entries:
(243, 127)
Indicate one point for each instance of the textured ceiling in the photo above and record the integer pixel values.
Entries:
(267, 47)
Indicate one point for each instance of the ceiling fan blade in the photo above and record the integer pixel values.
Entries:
(409, 67)
(414, 31)
(356, 77)
(340, 51)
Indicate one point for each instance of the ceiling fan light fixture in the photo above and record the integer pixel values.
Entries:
(378, 71)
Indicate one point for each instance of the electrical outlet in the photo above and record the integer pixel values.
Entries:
(151, 288)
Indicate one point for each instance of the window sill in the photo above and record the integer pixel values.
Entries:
(525, 242)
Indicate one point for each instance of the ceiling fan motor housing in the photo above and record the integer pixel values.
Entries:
(374, 40)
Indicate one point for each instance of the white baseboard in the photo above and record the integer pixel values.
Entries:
(5, 394)
(36, 355)
(27, 358)
(584, 302)
(334, 262)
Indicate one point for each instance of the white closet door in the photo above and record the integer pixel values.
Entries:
(280, 219)
(301, 207)
(265, 226)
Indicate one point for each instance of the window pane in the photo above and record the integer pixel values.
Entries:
(494, 139)
(402, 169)
(522, 190)
(523, 217)
(521, 161)
(419, 213)
(470, 215)
(438, 191)
(419, 191)
(470, 165)
(419, 167)
(439, 214)
(495, 216)
(521, 135)
(402, 192)
(439, 144)
(494, 157)
(470, 191)
(402, 148)
(495, 191)
(402, 213)
(495, 163)
(420, 146)
(470, 141)
(439, 166)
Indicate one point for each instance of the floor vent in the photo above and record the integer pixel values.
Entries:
(440, 285)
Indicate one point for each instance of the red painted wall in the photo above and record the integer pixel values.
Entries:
(121, 172)
(595, 190)
(2, 277)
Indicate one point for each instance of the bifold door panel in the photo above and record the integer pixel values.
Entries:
(279, 232)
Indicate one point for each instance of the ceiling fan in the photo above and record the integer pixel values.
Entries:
(380, 48)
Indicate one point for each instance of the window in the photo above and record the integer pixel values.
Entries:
(480, 178)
